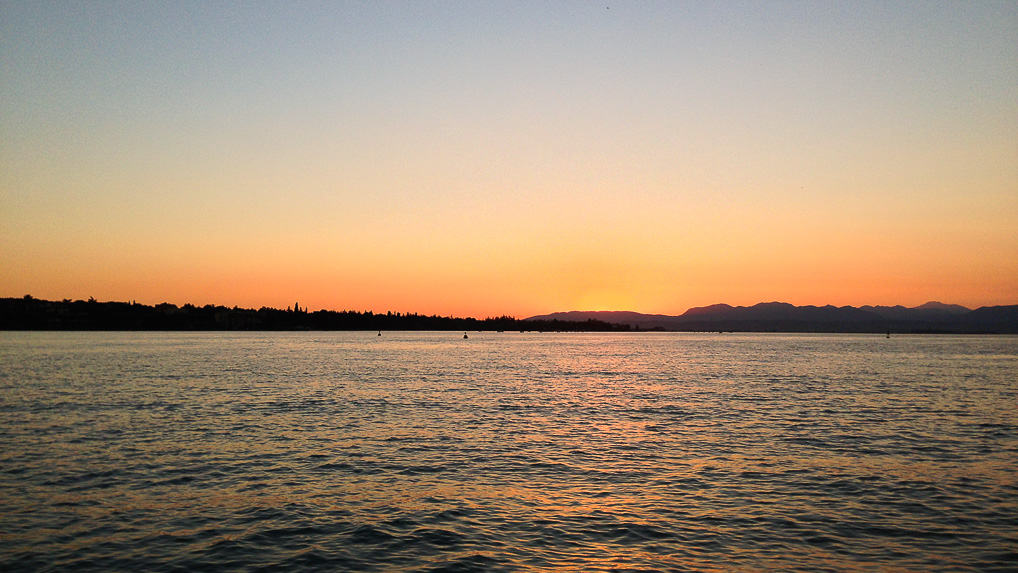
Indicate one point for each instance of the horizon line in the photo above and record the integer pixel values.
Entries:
(498, 315)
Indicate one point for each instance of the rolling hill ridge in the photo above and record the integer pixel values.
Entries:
(931, 317)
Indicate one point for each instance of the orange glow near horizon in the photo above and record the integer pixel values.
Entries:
(485, 290)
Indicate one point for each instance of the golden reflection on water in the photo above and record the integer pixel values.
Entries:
(574, 452)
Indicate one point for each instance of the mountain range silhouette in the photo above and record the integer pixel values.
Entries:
(29, 313)
(931, 317)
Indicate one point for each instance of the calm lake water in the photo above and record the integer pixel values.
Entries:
(507, 451)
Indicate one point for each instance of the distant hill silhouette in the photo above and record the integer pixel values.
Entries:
(931, 311)
(28, 313)
(932, 317)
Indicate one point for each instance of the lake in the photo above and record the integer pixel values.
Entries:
(424, 451)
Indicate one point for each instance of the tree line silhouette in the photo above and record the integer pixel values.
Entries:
(29, 313)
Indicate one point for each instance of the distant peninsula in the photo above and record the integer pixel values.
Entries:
(30, 313)
(932, 317)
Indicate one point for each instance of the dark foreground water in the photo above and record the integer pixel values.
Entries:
(424, 451)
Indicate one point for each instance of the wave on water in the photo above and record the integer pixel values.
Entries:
(418, 452)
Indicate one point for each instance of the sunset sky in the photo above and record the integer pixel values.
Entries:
(487, 158)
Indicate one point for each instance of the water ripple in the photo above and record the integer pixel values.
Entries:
(425, 452)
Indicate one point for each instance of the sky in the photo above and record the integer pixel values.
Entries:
(489, 158)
